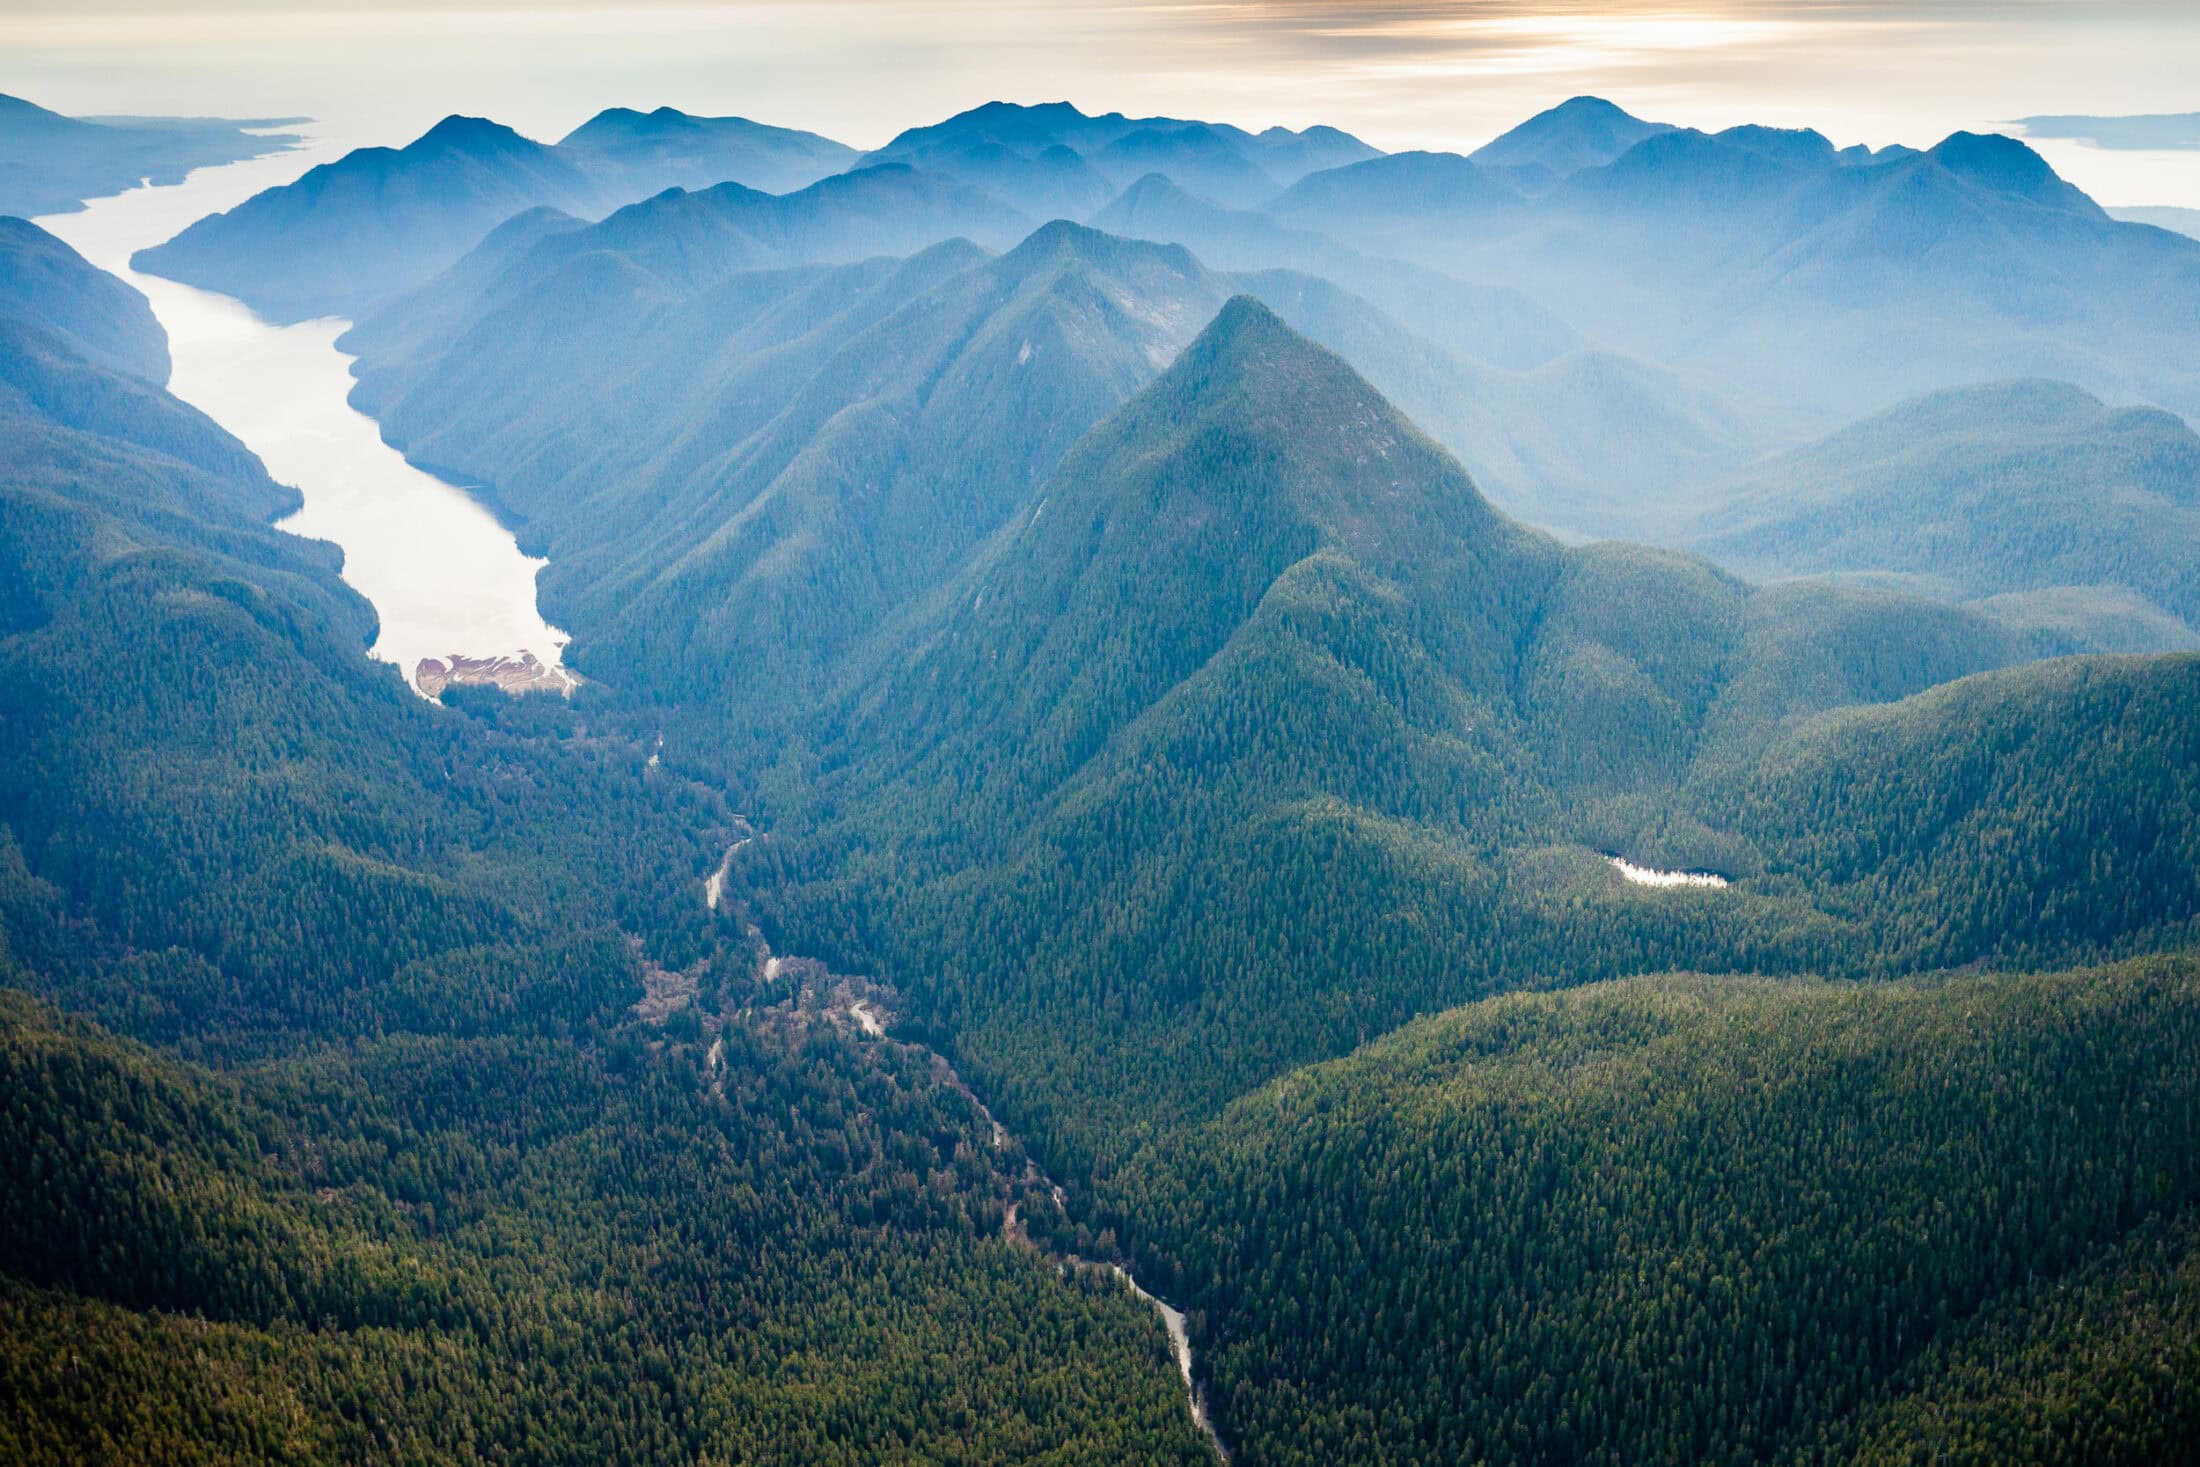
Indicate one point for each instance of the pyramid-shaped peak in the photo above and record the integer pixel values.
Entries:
(475, 135)
(1581, 132)
(1586, 106)
(1246, 338)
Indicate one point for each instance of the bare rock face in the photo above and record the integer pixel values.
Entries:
(516, 675)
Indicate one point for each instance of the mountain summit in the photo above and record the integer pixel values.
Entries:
(1582, 132)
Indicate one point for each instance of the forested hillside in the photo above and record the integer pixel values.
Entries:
(512, 1248)
(506, 1151)
(1709, 1220)
(2033, 494)
(1106, 751)
(1259, 732)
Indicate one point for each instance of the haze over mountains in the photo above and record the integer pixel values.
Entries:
(50, 164)
(2032, 493)
(1108, 740)
(1798, 285)
(378, 220)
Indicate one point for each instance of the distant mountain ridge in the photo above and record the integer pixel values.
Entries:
(629, 153)
(999, 141)
(379, 221)
(1581, 132)
(50, 164)
(2016, 491)
(358, 232)
(1808, 282)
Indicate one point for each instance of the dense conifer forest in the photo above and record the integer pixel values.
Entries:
(1071, 781)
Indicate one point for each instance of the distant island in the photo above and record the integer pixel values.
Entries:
(2175, 130)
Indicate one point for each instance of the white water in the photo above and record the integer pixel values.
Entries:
(1180, 1345)
(1645, 876)
(443, 575)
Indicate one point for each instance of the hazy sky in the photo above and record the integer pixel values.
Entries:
(1402, 73)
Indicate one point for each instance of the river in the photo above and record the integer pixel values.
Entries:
(444, 577)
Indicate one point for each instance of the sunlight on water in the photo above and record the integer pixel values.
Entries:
(444, 576)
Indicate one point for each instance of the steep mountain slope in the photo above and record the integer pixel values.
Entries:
(95, 315)
(374, 222)
(1589, 443)
(435, 313)
(1290, 736)
(50, 164)
(1477, 323)
(2017, 487)
(2094, 1366)
(823, 443)
(426, 981)
(616, 378)
(629, 154)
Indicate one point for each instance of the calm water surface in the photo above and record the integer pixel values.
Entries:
(443, 575)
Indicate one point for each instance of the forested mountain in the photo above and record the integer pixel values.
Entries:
(373, 222)
(1809, 281)
(629, 154)
(1053, 159)
(408, 1175)
(661, 359)
(50, 164)
(1581, 132)
(614, 283)
(1257, 669)
(1712, 1220)
(741, 482)
(2030, 492)
(96, 316)
(1085, 759)
(379, 221)
(1478, 323)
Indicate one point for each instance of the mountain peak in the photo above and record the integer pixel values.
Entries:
(1245, 329)
(1590, 106)
(1996, 161)
(467, 133)
(1580, 132)
(1302, 422)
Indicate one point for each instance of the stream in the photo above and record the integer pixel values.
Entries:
(446, 580)
(867, 1019)
(448, 583)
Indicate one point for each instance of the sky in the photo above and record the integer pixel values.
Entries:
(1401, 73)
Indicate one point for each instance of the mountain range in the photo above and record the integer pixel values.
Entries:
(379, 220)
(241, 864)
(2033, 494)
(1093, 759)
